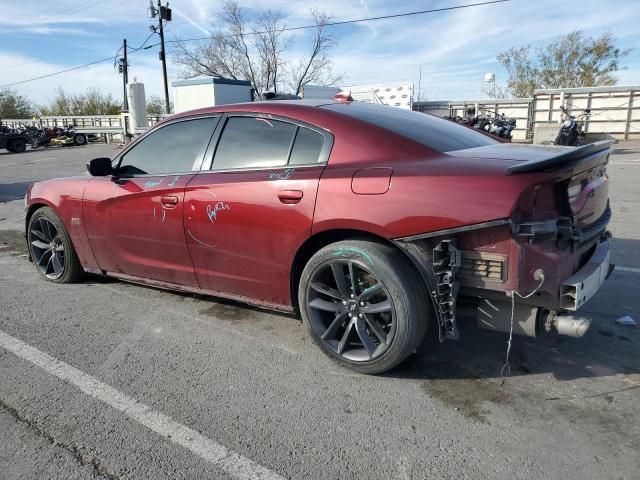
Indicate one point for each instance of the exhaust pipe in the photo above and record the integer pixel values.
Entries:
(570, 325)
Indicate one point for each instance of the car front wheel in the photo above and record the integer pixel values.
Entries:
(364, 304)
(51, 249)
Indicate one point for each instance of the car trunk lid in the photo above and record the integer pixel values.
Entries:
(579, 172)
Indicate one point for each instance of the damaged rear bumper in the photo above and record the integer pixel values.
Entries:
(576, 290)
(478, 282)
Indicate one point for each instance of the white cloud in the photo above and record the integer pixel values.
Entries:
(102, 76)
(47, 30)
(192, 22)
(453, 48)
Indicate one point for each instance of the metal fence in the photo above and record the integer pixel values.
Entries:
(615, 111)
(101, 124)
(518, 108)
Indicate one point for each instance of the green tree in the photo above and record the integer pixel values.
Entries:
(14, 105)
(574, 60)
(92, 102)
(155, 105)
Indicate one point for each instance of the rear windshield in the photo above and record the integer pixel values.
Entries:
(436, 133)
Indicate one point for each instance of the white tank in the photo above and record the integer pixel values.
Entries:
(489, 77)
(137, 106)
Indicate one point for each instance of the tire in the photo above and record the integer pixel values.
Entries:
(374, 338)
(44, 231)
(573, 140)
(80, 139)
(17, 145)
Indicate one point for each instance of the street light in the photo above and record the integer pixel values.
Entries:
(163, 13)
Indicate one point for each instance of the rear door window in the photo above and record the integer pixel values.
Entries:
(174, 148)
(254, 142)
(307, 147)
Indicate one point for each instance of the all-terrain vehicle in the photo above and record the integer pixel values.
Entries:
(12, 140)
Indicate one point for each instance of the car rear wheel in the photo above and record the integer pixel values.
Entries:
(51, 249)
(363, 304)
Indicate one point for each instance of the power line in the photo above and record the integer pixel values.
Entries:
(287, 29)
(112, 58)
(345, 22)
(64, 18)
(135, 49)
(57, 73)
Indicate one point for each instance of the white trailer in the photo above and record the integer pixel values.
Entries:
(393, 94)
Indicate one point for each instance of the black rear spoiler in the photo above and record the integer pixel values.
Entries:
(565, 158)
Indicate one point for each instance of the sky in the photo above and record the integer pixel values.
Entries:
(453, 49)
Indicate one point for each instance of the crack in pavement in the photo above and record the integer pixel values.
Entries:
(78, 454)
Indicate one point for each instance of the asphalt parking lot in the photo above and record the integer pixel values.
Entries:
(109, 380)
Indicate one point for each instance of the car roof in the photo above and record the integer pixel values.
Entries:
(274, 106)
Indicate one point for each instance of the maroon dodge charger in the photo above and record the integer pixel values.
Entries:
(376, 224)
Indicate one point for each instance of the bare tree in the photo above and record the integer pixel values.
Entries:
(571, 61)
(316, 67)
(256, 49)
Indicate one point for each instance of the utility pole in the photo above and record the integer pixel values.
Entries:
(124, 69)
(163, 13)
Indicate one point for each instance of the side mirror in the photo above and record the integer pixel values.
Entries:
(100, 167)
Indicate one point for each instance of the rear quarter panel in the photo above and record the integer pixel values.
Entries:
(426, 194)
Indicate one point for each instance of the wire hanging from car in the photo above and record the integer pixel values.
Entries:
(507, 364)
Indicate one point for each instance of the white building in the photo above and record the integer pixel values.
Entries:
(208, 92)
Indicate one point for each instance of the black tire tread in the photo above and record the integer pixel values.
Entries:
(409, 286)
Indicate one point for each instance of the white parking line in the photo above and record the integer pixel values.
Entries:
(227, 460)
(30, 162)
(627, 269)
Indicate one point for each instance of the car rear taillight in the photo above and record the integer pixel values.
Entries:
(587, 195)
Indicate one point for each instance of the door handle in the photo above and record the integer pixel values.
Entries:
(169, 201)
(289, 197)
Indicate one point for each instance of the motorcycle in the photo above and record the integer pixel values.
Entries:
(571, 132)
(59, 136)
(502, 127)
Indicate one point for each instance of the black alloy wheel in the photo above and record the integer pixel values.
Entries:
(364, 304)
(51, 249)
(351, 310)
(46, 248)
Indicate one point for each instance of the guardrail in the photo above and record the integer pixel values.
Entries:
(109, 126)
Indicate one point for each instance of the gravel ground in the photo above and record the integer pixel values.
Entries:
(253, 382)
